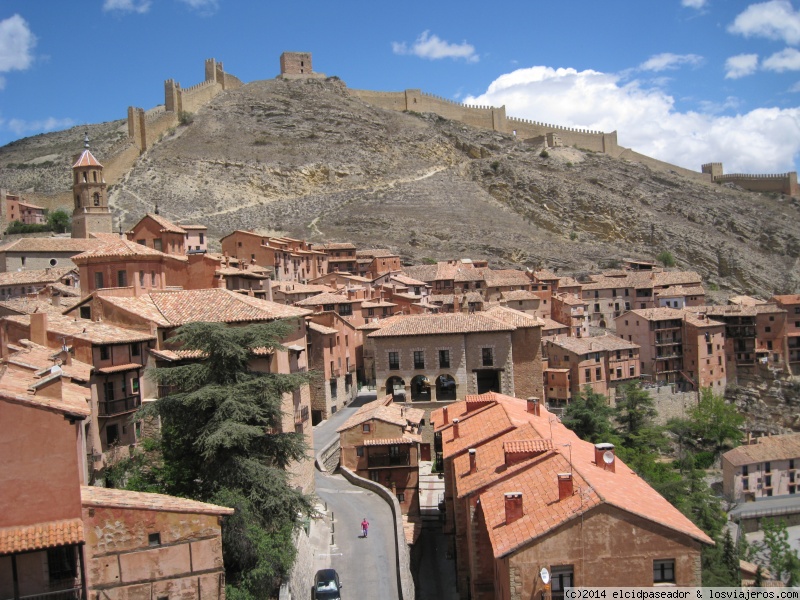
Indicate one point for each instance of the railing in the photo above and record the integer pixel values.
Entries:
(388, 460)
(109, 408)
(70, 594)
(166, 390)
(667, 341)
(301, 415)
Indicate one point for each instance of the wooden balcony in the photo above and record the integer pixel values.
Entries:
(376, 461)
(118, 406)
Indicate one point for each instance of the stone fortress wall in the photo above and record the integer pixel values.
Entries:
(783, 183)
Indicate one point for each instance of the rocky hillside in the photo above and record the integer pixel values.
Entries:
(305, 159)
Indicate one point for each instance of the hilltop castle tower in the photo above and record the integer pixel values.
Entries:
(91, 213)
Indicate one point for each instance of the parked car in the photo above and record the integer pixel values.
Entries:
(327, 585)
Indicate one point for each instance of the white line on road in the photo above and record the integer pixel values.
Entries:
(333, 491)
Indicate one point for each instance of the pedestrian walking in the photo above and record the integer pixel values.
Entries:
(364, 527)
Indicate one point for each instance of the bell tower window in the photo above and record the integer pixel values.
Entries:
(96, 199)
(85, 178)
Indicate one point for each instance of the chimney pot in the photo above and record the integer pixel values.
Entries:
(473, 461)
(565, 489)
(513, 502)
(444, 416)
(455, 429)
(604, 457)
(533, 406)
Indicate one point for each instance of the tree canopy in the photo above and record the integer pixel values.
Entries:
(221, 442)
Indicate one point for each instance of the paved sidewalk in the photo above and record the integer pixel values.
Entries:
(431, 492)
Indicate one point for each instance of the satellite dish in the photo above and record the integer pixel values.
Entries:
(544, 575)
(608, 457)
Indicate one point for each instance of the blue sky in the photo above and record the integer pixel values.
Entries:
(687, 81)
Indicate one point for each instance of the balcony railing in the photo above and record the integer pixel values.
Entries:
(119, 406)
(388, 460)
(70, 594)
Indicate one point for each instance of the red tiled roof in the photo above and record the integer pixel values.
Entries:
(527, 445)
(120, 368)
(166, 225)
(403, 441)
(114, 498)
(34, 276)
(475, 428)
(51, 244)
(438, 324)
(121, 248)
(514, 317)
(40, 536)
(384, 409)
(601, 343)
(324, 298)
(775, 447)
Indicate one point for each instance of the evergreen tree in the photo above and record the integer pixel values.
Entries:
(635, 413)
(589, 416)
(712, 426)
(220, 442)
(731, 559)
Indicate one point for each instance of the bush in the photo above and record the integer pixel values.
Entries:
(666, 258)
(20, 227)
(573, 236)
(544, 154)
(185, 118)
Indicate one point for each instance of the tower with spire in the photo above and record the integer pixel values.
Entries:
(91, 213)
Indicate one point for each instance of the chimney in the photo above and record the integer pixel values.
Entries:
(604, 457)
(513, 506)
(533, 406)
(455, 429)
(444, 416)
(56, 299)
(473, 461)
(564, 486)
(39, 328)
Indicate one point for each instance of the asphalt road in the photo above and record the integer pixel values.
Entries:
(366, 566)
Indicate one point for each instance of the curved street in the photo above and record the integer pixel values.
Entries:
(367, 567)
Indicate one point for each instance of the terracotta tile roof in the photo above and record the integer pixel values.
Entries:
(378, 323)
(550, 325)
(289, 288)
(527, 446)
(570, 300)
(51, 244)
(681, 290)
(384, 409)
(426, 273)
(405, 280)
(542, 509)
(623, 489)
(166, 225)
(322, 329)
(545, 275)
(334, 246)
(402, 441)
(35, 357)
(456, 410)
(121, 249)
(42, 276)
(29, 205)
(464, 274)
(26, 306)
(376, 253)
(98, 497)
(585, 345)
(194, 227)
(324, 298)
(519, 295)
(40, 536)
(505, 277)
(16, 386)
(120, 368)
(514, 317)
(568, 282)
(659, 314)
(176, 355)
(215, 305)
(86, 159)
(786, 299)
(490, 459)
(776, 447)
(65, 290)
(475, 428)
(735, 310)
(95, 332)
(377, 304)
(438, 324)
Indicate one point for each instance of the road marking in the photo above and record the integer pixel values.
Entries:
(334, 491)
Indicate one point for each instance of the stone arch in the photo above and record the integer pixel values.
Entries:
(445, 387)
(397, 388)
(420, 389)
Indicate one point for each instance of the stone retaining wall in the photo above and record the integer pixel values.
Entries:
(405, 581)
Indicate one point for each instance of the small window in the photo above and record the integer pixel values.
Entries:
(135, 385)
(98, 280)
(588, 374)
(394, 361)
(401, 497)
(86, 312)
(53, 262)
(365, 428)
(122, 279)
(61, 563)
(105, 353)
(419, 359)
(487, 356)
(664, 571)
(767, 329)
(444, 359)
(135, 350)
(745, 470)
(359, 451)
(767, 467)
(154, 539)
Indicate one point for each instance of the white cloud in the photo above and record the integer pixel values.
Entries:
(433, 47)
(698, 4)
(21, 128)
(16, 44)
(204, 7)
(741, 65)
(775, 20)
(785, 60)
(765, 140)
(137, 6)
(667, 60)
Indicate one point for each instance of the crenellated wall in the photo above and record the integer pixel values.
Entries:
(780, 183)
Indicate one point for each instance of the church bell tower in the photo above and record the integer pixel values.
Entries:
(91, 213)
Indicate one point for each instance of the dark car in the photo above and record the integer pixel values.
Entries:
(327, 585)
